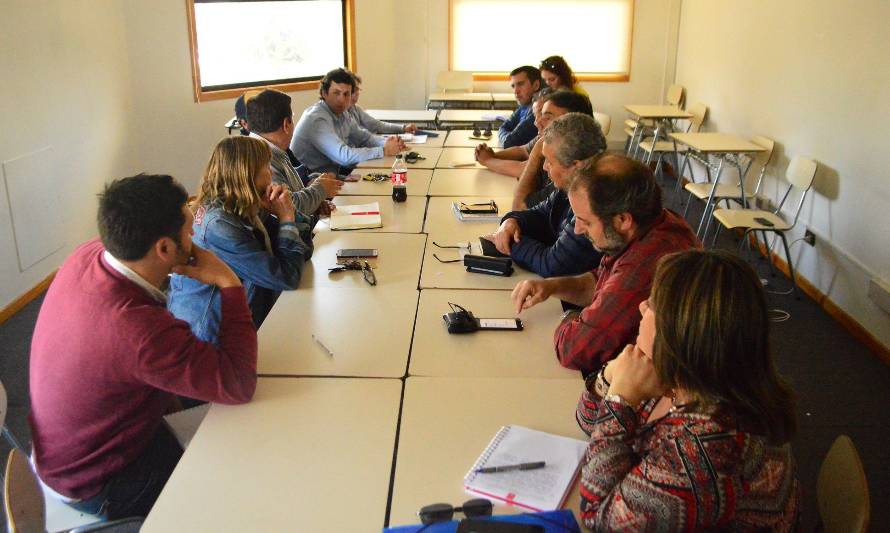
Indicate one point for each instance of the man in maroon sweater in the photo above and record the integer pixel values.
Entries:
(617, 205)
(108, 359)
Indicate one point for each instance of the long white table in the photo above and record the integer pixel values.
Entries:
(304, 455)
(368, 331)
(448, 422)
(397, 264)
(528, 353)
(418, 183)
(417, 116)
(431, 155)
(472, 182)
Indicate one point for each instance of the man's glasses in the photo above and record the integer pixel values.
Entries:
(367, 273)
(459, 246)
(444, 512)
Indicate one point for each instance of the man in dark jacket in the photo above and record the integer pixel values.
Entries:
(542, 239)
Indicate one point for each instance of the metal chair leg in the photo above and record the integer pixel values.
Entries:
(790, 263)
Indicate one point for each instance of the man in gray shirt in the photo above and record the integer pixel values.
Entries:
(370, 123)
(327, 139)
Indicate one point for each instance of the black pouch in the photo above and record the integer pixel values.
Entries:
(494, 266)
(460, 320)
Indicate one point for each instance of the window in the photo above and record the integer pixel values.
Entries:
(285, 44)
(594, 36)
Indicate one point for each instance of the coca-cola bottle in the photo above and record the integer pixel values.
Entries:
(399, 178)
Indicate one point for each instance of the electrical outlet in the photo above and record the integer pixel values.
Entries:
(810, 238)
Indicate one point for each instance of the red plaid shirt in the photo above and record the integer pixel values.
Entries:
(623, 281)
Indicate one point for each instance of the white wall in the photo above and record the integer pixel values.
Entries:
(814, 76)
(66, 86)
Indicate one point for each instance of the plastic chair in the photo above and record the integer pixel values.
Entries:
(698, 111)
(842, 490)
(455, 81)
(605, 122)
(800, 175)
(26, 508)
(713, 195)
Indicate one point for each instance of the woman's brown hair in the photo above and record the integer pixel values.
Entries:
(558, 66)
(228, 179)
(712, 339)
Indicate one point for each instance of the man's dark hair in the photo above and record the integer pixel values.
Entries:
(267, 111)
(338, 75)
(568, 100)
(135, 212)
(531, 72)
(616, 184)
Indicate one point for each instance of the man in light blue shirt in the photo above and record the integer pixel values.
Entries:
(327, 139)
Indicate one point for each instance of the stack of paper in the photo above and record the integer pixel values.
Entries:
(465, 217)
(359, 216)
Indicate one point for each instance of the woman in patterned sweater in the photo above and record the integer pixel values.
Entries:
(690, 428)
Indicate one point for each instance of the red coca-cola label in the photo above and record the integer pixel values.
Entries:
(399, 178)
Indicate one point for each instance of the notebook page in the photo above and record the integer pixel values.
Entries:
(541, 489)
(356, 216)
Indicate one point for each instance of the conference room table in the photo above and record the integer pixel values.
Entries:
(361, 388)
(430, 142)
(466, 139)
(459, 100)
(421, 117)
(458, 117)
(458, 158)
(504, 101)
(430, 157)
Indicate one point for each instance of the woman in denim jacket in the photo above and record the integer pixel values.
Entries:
(248, 222)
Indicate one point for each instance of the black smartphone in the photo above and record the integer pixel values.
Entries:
(356, 252)
(764, 221)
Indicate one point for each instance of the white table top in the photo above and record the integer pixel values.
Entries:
(503, 97)
(444, 228)
(458, 158)
(460, 97)
(279, 462)
(397, 265)
(431, 154)
(431, 142)
(657, 111)
(472, 182)
(506, 354)
(448, 422)
(473, 115)
(368, 331)
(397, 217)
(418, 183)
(464, 139)
(403, 115)
(713, 142)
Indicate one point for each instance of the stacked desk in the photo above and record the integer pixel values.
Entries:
(339, 358)
(421, 117)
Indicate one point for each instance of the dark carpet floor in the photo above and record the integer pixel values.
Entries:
(842, 387)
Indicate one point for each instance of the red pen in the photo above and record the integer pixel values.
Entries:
(366, 213)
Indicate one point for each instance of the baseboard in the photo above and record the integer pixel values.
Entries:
(23, 300)
(834, 311)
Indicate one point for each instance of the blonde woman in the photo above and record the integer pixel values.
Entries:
(248, 222)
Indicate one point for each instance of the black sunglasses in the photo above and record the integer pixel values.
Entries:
(444, 512)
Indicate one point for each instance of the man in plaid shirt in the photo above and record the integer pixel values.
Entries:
(617, 205)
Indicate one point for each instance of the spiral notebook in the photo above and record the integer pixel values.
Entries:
(542, 489)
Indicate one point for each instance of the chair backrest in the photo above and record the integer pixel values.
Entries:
(842, 490)
(605, 122)
(455, 81)
(762, 158)
(25, 508)
(800, 172)
(699, 111)
(675, 95)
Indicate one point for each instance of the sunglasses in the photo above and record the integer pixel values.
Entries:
(413, 157)
(367, 273)
(444, 512)
(460, 246)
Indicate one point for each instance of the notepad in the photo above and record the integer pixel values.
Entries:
(464, 217)
(360, 216)
(542, 489)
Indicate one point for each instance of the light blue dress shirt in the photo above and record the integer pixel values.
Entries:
(324, 141)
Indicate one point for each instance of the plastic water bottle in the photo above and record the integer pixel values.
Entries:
(399, 179)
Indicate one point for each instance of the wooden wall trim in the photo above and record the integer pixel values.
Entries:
(23, 300)
(834, 311)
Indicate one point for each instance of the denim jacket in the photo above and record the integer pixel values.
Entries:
(242, 247)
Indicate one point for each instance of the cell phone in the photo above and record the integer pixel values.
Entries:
(481, 525)
(509, 324)
(356, 252)
(763, 221)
